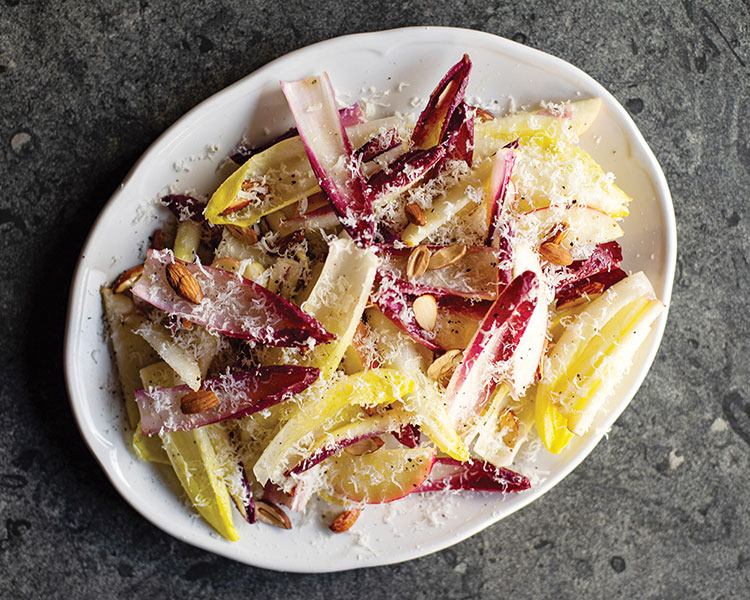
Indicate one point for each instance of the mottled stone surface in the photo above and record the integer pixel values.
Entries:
(659, 510)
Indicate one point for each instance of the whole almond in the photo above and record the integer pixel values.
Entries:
(444, 365)
(418, 261)
(244, 234)
(198, 401)
(182, 282)
(345, 520)
(363, 447)
(507, 424)
(555, 254)
(447, 256)
(157, 242)
(425, 311)
(271, 514)
(127, 279)
(415, 214)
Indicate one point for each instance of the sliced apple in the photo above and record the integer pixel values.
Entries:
(586, 226)
(350, 433)
(382, 476)
(446, 206)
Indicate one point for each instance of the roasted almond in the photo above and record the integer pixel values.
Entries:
(592, 287)
(444, 365)
(271, 514)
(482, 115)
(447, 256)
(418, 261)
(157, 241)
(236, 206)
(363, 447)
(127, 279)
(415, 214)
(250, 185)
(558, 234)
(345, 520)
(555, 254)
(425, 311)
(227, 263)
(198, 401)
(507, 425)
(244, 234)
(182, 282)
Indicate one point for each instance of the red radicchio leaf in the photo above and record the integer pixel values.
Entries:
(605, 257)
(379, 144)
(408, 435)
(404, 172)
(239, 394)
(577, 289)
(185, 207)
(445, 98)
(330, 153)
(472, 475)
(232, 305)
(457, 316)
(492, 347)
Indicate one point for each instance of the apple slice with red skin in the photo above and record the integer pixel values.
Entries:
(487, 359)
(474, 276)
(320, 218)
(381, 476)
(586, 225)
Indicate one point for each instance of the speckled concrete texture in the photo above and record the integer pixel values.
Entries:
(659, 510)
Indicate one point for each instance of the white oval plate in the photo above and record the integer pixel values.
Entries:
(187, 156)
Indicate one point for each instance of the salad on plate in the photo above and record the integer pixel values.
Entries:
(368, 309)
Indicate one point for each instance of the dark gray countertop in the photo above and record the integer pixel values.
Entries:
(659, 510)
